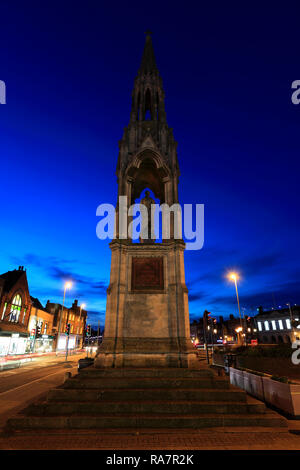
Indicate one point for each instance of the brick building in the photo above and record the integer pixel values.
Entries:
(76, 316)
(42, 320)
(15, 306)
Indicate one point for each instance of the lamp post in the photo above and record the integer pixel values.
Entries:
(234, 277)
(81, 307)
(245, 325)
(68, 285)
(292, 320)
(239, 333)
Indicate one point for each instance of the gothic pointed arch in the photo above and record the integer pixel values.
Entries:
(148, 170)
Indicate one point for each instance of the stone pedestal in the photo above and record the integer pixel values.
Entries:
(147, 318)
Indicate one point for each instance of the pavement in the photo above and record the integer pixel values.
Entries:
(180, 439)
(234, 438)
(14, 399)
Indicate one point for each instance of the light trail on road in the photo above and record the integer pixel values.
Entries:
(37, 380)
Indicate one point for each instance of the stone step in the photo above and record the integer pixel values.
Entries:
(81, 382)
(269, 419)
(201, 394)
(92, 372)
(144, 408)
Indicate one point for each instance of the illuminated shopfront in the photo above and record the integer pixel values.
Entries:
(62, 342)
(43, 344)
(12, 344)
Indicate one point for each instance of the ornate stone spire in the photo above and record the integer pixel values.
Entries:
(148, 94)
(148, 124)
(148, 63)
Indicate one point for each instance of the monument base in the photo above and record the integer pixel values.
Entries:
(146, 352)
(147, 318)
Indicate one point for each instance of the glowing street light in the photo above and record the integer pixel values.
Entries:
(234, 277)
(68, 285)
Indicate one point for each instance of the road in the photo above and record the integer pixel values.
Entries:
(31, 382)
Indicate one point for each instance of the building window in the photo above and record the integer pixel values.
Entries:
(24, 315)
(15, 308)
(259, 326)
(267, 325)
(4, 310)
(288, 323)
(280, 324)
(274, 324)
(45, 328)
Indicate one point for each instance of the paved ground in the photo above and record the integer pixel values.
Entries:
(25, 385)
(220, 439)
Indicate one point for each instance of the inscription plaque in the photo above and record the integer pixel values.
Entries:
(147, 273)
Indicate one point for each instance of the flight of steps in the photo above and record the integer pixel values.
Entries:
(145, 398)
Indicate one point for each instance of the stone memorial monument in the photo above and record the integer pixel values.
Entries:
(147, 317)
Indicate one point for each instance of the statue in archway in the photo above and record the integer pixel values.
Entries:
(146, 232)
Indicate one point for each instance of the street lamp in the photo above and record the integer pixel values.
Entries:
(292, 321)
(68, 285)
(81, 307)
(234, 277)
(239, 331)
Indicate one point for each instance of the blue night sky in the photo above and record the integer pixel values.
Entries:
(69, 69)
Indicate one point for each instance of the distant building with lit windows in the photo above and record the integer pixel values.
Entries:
(15, 306)
(280, 325)
(222, 331)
